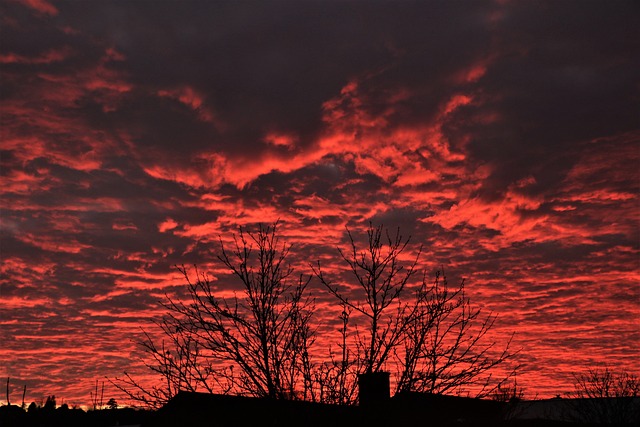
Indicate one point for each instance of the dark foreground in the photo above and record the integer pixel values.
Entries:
(195, 410)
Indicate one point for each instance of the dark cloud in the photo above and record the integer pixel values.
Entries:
(562, 75)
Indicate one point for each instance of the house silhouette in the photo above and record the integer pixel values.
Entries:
(410, 409)
(404, 409)
(377, 409)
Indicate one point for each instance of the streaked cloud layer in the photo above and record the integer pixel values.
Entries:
(501, 135)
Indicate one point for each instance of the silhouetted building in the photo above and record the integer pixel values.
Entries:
(408, 409)
(378, 409)
(203, 409)
(617, 411)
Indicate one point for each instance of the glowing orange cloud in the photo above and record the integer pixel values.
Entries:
(41, 6)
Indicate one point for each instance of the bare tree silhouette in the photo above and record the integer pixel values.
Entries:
(253, 344)
(432, 332)
(381, 278)
(605, 397)
(181, 362)
(445, 346)
(334, 380)
(257, 342)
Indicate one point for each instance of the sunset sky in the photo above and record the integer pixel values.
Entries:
(502, 135)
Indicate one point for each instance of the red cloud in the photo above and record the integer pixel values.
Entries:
(195, 101)
(41, 6)
(48, 57)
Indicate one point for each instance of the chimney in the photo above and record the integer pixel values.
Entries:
(374, 388)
